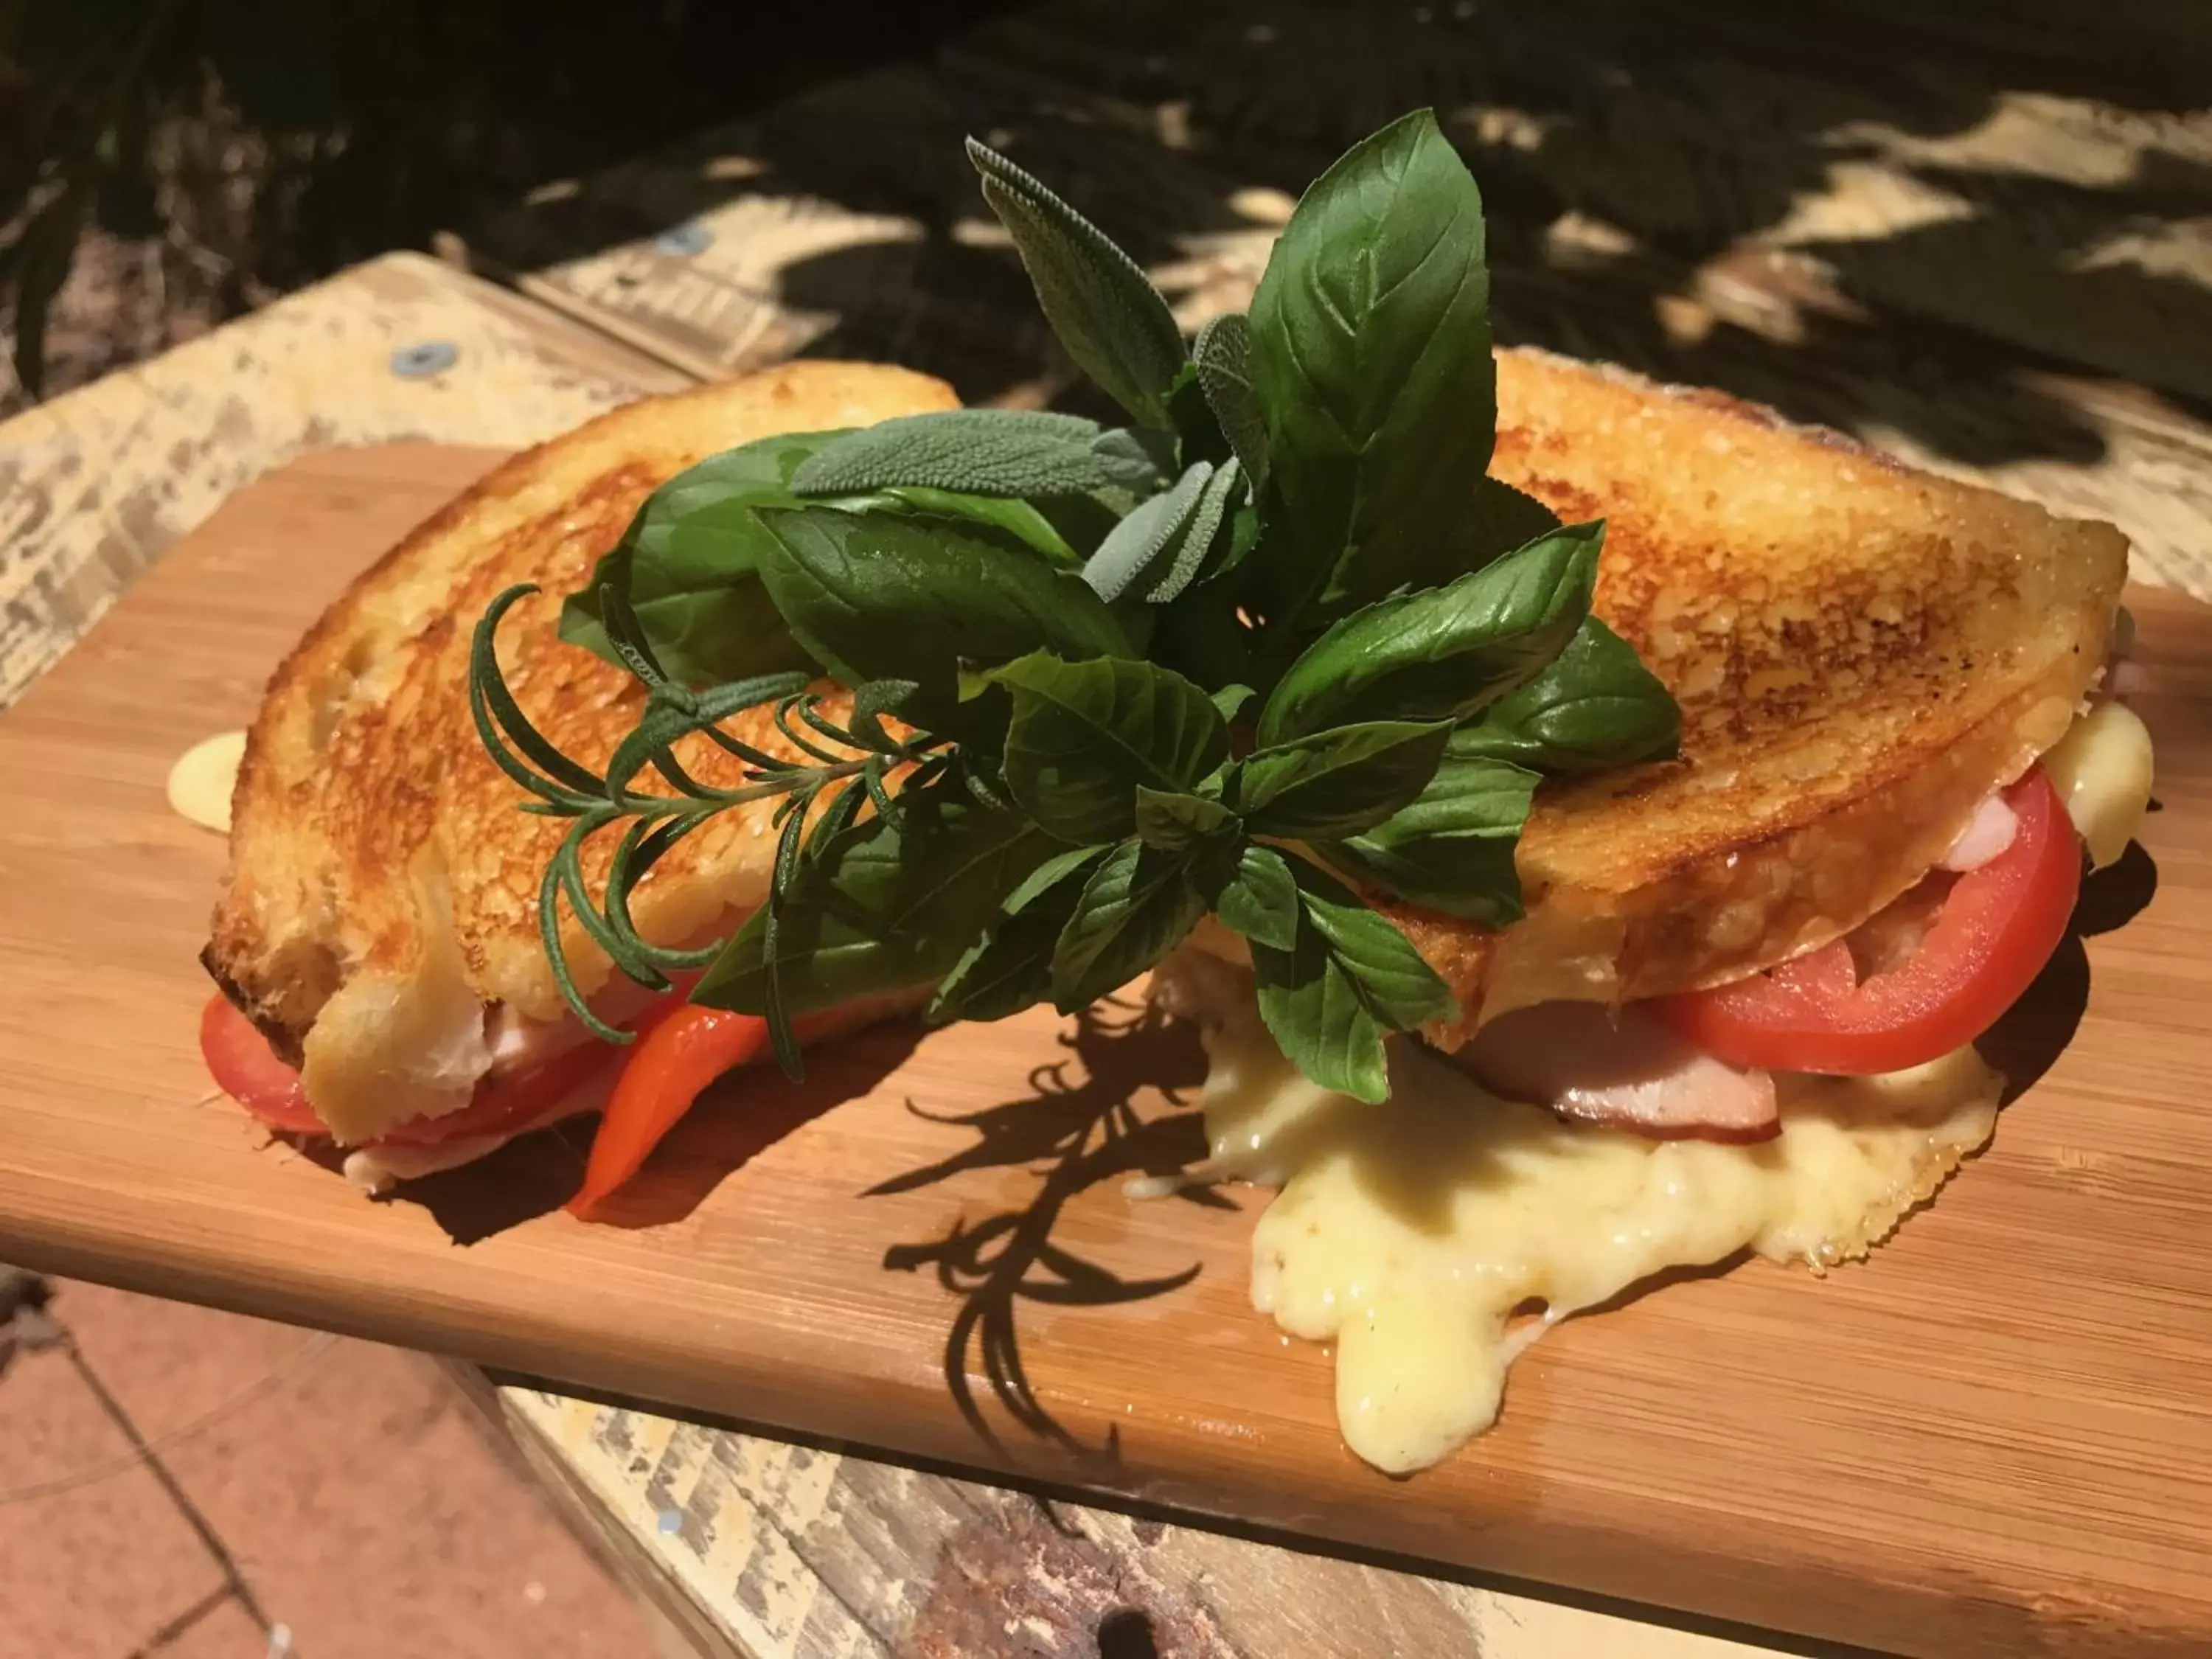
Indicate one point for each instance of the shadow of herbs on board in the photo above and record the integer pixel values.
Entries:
(1076, 1128)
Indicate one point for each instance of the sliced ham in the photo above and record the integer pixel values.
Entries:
(1619, 1067)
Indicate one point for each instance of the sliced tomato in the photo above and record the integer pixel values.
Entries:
(1996, 928)
(246, 1068)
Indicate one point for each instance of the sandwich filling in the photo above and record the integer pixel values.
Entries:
(1571, 1151)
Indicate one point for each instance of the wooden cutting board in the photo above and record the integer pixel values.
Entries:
(1992, 1440)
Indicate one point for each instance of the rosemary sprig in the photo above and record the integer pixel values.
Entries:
(857, 771)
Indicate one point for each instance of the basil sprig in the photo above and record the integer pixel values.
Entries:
(1276, 648)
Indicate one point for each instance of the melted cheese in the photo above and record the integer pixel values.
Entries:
(201, 782)
(1409, 1233)
(2102, 767)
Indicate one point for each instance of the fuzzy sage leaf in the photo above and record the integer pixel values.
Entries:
(1223, 353)
(977, 452)
(1106, 311)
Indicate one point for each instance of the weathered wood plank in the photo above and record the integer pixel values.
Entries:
(96, 483)
(804, 1554)
(1946, 264)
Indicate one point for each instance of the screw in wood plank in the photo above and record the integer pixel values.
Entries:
(686, 238)
(419, 362)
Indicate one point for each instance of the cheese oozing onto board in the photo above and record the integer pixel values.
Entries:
(2102, 768)
(1409, 1233)
(204, 778)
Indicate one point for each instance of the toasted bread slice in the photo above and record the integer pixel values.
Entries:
(1861, 652)
(382, 887)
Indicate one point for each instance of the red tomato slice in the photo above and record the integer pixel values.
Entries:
(248, 1069)
(1998, 927)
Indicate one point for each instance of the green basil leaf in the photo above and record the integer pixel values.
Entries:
(1137, 905)
(1222, 352)
(1335, 783)
(1370, 356)
(1106, 311)
(1174, 821)
(1009, 967)
(875, 597)
(1497, 520)
(1141, 542)
(1443, 653)
(1596, 705)
(974, 452)
(1020, 519)
(1085, 735)
(1452, 848)
(885, 904)
(688, 565)
(1350, 978)
(1260, 899)
(1231, 699)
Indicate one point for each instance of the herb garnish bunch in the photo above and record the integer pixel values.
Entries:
(1276, 645)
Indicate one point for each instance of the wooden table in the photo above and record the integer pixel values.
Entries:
(1963, 244)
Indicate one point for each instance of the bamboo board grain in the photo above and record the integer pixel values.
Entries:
(1990, 1441)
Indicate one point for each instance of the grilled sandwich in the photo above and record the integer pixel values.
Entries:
(377, 920)
(1864, 655)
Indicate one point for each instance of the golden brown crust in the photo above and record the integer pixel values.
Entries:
(382, 886)
(1861, 652)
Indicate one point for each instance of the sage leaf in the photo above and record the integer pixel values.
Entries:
(1174, 820)
(875, 597)
(1185, 555)
(1137, 905)
(1135, 545)
(1332, 784)
(1009, 967)
(1369, 354)
(1260, 898)
(883, 905)
(1442, 653)
(1106, 311)
(1349, 979)
(1222, 352)
(1451, 848)
(1594, 705)
(975, 452)
(1085, 736)
(1141, 460)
